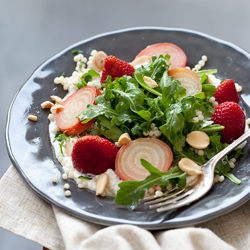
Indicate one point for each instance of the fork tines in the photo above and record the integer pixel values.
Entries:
(168, 198)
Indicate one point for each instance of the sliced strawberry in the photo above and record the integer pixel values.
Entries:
(116, 68)
(177, 56)
(155, 151)
(226, 91)
(231, 116)
(93, 154)
(66, 119)
(189, 80)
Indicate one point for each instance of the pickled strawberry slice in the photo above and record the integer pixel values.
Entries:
(66, 119)
(177, 56)
(189, 80)
(128, 165)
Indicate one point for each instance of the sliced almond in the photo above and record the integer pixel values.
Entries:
(101, 183)
(47, 104)
(142, 60)
(99, 61)
(69, 144)
(189, 166)
(55, 108)
(124, 139)
(56, 99)
(103, 194)
(198, 139)
(150, 82)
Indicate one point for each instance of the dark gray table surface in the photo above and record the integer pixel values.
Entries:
(31, 31)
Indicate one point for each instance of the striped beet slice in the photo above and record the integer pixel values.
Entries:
(66, 119)
(128, 165)
(177, 56)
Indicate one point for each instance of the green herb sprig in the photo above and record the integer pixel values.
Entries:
(62, 138)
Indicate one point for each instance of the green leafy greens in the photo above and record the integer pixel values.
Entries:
(84, 177)
(87, 77)
(129, 105)
(131, 192)
(76, 52)
(62, 138)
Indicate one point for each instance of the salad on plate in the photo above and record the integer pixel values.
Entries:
(136, 129)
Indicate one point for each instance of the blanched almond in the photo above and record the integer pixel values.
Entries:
(33, 118)
(142, 60)
(101, 183)
(189, 166)
(47, 104)
(150, 82)
(99, 61)
(69, 144)
(124, 139)
(56, 99)
(57, 106)
(198, 139)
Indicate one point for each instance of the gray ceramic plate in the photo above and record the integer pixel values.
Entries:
(31, 153)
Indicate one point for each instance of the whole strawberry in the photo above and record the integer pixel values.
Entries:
(93, 154)
(116, 68)
(232, 117)
(226, 91)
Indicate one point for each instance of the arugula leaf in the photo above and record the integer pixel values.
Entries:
(131, 192)
(236, 153)
(209, 90)
(84, 177)
(104, 108)
(160, 65)
(111, 132)
(140, 80)
(130, 96)
(173, 128)
(81, 64)
(62, 138)
(232, 178)
(172, 91)
(200, 73)
(186, 152)
(76, 52)
(179, 120)
(156, 69)
(212, 128)
(145, 114)
(87, 77)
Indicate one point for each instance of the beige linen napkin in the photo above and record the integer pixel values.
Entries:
(24, 213)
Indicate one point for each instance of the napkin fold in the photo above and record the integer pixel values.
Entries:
(24, 213)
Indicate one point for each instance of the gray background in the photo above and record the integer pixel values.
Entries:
(31, 31)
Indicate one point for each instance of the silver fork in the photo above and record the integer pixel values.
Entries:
(196, 187)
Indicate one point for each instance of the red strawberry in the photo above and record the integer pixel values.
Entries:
(93, 154)
(226, 91)
(116, 68)
(104, 75)
(232, 117)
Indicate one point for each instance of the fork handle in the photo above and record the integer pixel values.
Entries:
(229, 148)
